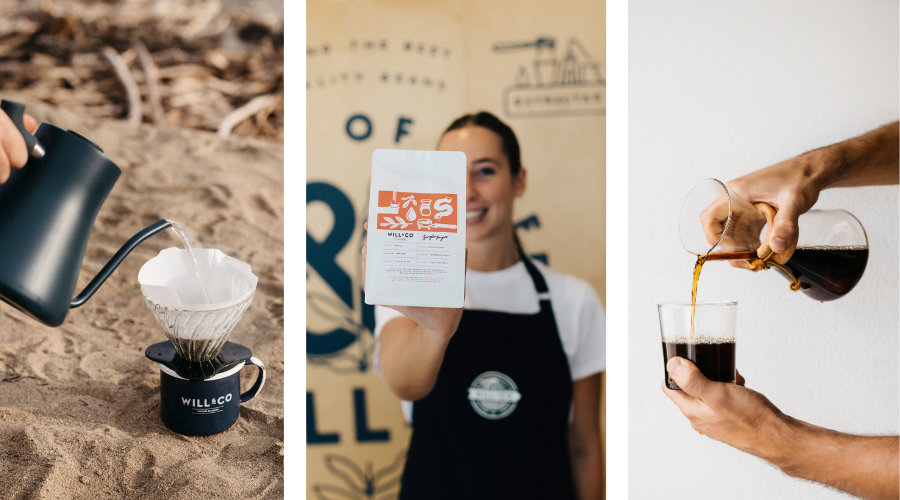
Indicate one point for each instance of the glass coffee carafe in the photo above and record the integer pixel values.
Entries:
(826, 259)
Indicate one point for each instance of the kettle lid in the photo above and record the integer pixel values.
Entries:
(86, 139)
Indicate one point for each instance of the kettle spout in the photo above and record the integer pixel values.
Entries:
(117, 259)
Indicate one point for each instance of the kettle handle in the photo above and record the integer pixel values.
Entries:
(15, 111)
(116, 260)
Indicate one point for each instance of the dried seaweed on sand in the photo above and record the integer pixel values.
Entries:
(214, 65)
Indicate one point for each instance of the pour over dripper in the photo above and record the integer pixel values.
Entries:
(198, 329)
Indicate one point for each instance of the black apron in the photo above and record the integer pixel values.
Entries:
(495, 425)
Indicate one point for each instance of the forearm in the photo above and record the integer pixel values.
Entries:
(411, 357)
(587, 467)
(864, 466)
(584, 438)
(871, 159)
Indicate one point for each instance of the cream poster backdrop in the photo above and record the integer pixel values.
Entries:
(394, 74)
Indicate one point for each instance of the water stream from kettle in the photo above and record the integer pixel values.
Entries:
(181, 231)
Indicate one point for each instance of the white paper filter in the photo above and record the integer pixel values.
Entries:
(417, 229)
(170, 287)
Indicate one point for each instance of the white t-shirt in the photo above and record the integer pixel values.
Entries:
(579, 316)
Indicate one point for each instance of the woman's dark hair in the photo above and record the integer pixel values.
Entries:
(508, 140)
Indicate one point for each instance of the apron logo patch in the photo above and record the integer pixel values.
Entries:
(494, 395)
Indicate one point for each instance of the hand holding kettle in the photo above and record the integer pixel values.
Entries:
(13, 149)
(47, 210)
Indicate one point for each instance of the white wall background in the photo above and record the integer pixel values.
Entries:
(718, 89)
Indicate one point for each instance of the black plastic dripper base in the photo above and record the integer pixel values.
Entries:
(231, 355)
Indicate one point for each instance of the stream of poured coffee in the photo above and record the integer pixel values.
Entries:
(697, 268)
(750, 257)
(181, 231)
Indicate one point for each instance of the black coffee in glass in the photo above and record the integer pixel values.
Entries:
(715, 359)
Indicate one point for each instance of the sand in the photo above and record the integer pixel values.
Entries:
(79, 404)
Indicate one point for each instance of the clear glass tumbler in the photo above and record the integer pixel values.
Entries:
(703, 334)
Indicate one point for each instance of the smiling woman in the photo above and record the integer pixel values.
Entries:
(495, 179)
(526, 350)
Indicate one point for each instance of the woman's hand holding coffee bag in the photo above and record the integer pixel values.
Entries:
(438, 321)
(415, 345)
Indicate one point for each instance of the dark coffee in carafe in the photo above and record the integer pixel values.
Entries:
(825, 272)
(828, 273)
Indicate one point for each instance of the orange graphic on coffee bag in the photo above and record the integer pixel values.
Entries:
(432, 212)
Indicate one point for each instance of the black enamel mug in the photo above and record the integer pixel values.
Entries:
(200, 399)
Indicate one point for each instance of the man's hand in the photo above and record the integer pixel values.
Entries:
(864, 466)
(743, 231)
(13, 153)
(793, 186)
(729, 413)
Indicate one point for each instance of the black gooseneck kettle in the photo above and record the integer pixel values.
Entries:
(47, 209)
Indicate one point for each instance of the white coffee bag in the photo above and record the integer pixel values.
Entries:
(417, 229)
